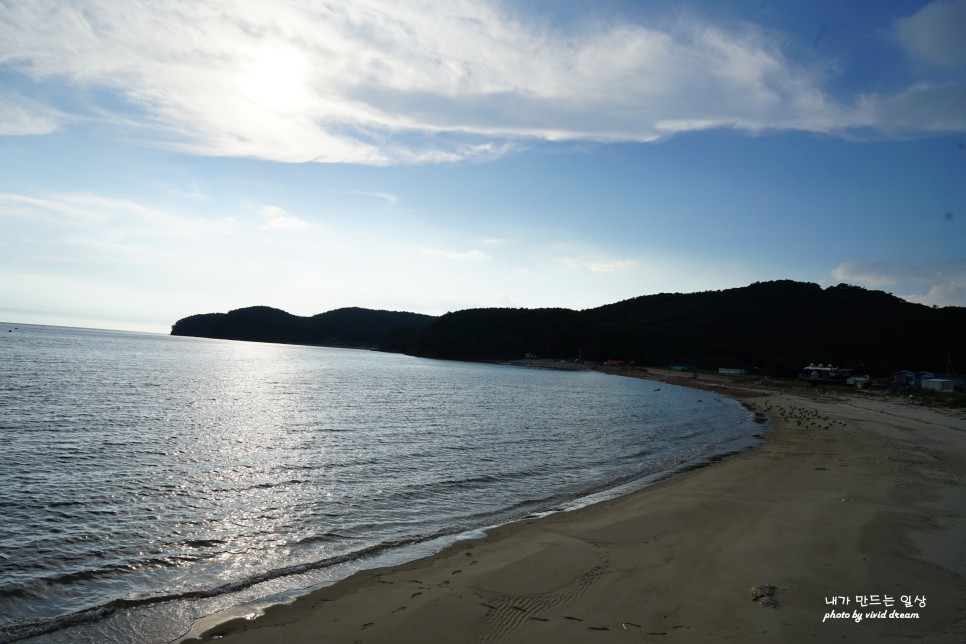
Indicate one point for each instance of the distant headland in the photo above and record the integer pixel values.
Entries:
(348, 327)
(768, 328)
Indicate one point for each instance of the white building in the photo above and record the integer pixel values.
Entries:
(937, 384)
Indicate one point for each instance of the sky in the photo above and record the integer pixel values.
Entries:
(161, 158)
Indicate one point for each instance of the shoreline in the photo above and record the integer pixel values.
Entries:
(866, 502)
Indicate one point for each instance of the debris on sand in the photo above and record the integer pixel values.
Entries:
(765, 593)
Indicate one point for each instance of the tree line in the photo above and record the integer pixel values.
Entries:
(769, 328)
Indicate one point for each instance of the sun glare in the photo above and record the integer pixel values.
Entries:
(277, 79)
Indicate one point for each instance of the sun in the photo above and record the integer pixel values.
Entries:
(277, 79)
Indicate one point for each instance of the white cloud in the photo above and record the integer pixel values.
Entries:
(278, 219)
(610, 267)
(602, 266)
(470, 255)
(386, 82)
(385, 196)
(380, 81)
(938, 282)
(935, 34)
(192, 191)
(933, 40)
(116, 216)
(923, 108)
(20, 116)
(79, 252)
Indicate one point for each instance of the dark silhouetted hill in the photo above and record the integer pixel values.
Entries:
(349, 327)
(769, 328)
(772, 328)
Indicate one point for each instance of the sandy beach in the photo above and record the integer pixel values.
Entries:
(855, 508)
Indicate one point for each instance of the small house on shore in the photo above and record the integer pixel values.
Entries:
(929, 380)
(937, 384)
(822, 374)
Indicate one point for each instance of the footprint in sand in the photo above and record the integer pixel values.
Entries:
(368, 625)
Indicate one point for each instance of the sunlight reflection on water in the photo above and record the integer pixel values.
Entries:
(145, 468)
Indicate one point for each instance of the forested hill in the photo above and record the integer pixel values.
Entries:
(770, 328)
(349, 327)
(773, 328)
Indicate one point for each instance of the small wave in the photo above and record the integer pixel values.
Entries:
(204, 543)
(33, 628)
(471, 535)
(419, 490)
(326, 537)
(637, 455)
(109, 571)
(63, 504)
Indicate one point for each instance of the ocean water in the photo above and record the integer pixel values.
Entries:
(151, 480)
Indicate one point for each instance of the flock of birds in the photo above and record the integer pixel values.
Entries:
(802, 417)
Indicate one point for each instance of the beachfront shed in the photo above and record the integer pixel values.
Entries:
(913, 378)
(955, 382)
(937, 384)
(904, 377)
(923, 380)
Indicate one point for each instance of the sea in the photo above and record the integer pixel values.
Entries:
(149, 481)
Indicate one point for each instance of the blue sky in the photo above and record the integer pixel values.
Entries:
(163, 158)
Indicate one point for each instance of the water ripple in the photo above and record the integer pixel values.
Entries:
(154, 475)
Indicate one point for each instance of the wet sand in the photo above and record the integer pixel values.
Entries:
(854, 497)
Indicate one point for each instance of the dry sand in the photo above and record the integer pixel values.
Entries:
(853, 496)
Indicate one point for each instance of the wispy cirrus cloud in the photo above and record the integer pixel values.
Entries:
(116, 216)
(469, 255)
(21, 116)
(384, 82)
(389, 199)
(602, 266)
(938, 282)
(610, 267)
(100, 239)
